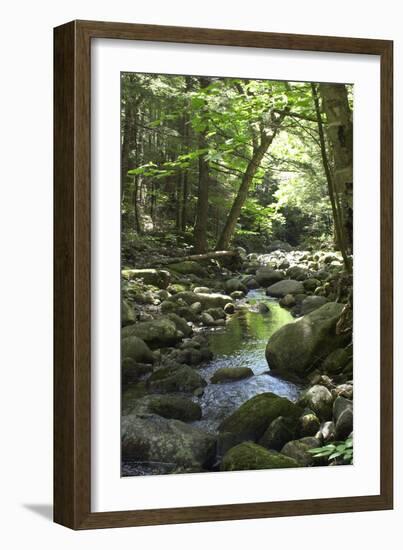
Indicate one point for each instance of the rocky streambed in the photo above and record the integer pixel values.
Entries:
(231, 368)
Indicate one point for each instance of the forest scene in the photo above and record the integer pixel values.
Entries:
(236, 274)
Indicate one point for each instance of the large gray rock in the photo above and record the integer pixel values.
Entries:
(156, 277)
(289, 286)
(319, 400)
(157, 439)
(159, 333)
(266, 276)
(343, 417)
(233, 285)
(136, 349)
(249, 456)
(296, 348)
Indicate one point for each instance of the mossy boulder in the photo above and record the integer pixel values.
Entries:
(250, 421)
(156, 277)
(136, 349)
(336, 361)
(296, 348)
(230, 374)
(280, 431)
(188, 267)
(282, 288)
(249, 456)
(157, 439)
(180, 324)
(179, 378)
(158, 333)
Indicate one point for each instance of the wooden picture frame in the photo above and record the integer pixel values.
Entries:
(72, 269)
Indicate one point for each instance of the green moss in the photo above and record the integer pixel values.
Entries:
(249, 456)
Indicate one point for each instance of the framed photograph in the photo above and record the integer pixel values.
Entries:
(222, 275)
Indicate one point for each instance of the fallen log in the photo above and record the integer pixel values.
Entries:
(199, 257)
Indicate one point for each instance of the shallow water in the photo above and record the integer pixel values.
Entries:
(242, 343)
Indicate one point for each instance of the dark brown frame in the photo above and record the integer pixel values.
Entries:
(72, 320)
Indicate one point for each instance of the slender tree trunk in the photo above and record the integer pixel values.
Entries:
(339, 131)
(338, 227)
(200, 229)
(252, 168)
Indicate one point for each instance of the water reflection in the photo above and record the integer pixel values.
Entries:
(242, 343)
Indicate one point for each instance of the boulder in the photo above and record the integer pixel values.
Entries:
(159, 333)
(179, 378)
(266, 276)
(319, 400)
(289, 286)
(249, 456)
(336, 361)
(180, 323)
(157, 439)
(251, 419)
(296, 348)
(207, 319)
(279, 432)
(156, 277)
(167, 406)
(308, 424)
(298, 450)
(287, 301)
(136, 349)
(310, 303)
(230, 374)
(343, 417)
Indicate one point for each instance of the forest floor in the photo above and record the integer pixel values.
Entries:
(233, 363)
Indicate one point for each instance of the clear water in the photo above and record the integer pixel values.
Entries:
(242, 343)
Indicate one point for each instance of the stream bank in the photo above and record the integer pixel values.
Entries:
(206, 351)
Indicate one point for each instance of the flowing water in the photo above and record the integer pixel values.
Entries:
(242, 343)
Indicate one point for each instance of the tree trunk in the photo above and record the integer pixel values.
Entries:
(339, 131)
(252, 168)
(338, 227)
(200, 229)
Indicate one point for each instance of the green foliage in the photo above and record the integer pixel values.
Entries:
(339, 450)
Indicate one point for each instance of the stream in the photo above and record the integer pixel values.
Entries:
(242, 343)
